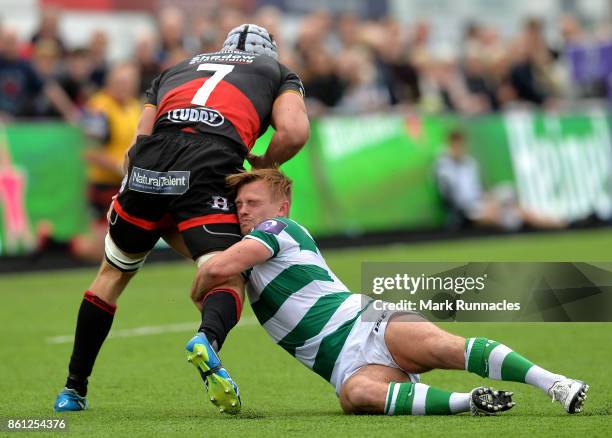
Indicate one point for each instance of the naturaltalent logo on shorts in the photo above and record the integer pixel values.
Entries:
(174, 182)
(202, 115)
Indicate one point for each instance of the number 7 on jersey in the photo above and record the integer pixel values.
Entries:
(221, 70)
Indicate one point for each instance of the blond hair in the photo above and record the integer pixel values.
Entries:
(278, 182)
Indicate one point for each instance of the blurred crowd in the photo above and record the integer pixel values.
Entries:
(351, 65)
(347, 64)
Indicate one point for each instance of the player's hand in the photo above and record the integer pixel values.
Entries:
(110, 209)
(258, 161)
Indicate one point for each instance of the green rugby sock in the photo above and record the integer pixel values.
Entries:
(419, 399)
(491, 359)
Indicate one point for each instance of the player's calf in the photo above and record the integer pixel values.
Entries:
(94, 322)
(365, 391)
(220, 306)
(368, 392)
(362, 395)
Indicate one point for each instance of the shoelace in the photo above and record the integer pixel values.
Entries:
(560, 389)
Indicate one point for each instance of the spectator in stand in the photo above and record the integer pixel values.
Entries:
(394, 66)
(347, 26)
(208, 35)
(420, 50)
(270, 18)
(483, 73)
(459, 183)
(445, 89)
(573, 37)
(472, 38)
(229, 18)
(531, 74)
(324, 86)
(171, 24)
(571, 31)
(48, 28)
(76, 80)
(523, 77)
(46, 58)
(21, 86)
(110, 124)
(311, 36)
(145, 50)
(98, 47)
(490, 48)
(363, 92)
(479, 84)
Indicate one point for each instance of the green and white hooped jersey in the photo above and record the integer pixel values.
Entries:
(302, 305)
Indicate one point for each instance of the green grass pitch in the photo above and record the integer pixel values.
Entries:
(143, 386)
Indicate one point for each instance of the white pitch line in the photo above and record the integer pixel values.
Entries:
(150, 330)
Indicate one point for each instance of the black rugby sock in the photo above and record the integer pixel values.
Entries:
(93, 324)
(220, 313)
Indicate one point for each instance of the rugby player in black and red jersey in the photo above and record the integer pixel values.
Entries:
(201, 119)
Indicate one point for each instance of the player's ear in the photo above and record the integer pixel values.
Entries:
(284, 208)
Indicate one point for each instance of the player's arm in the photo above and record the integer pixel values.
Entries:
(146, 121)
(227, 264)
(292, 129)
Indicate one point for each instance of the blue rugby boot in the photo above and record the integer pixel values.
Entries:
(69, 400)
(222, 390)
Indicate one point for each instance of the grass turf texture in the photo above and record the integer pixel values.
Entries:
(142, 385)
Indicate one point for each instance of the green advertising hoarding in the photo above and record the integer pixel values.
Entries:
(378, 171)
(356, 174)
(360, 174)
(42, 184)
(375, 172)
(562, 164)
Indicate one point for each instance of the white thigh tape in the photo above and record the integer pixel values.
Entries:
(119, 259)
(203, 259)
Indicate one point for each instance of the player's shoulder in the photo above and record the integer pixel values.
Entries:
(285, 228)
(279, 224)
(270, 233)
(274, 225)
(282, 234)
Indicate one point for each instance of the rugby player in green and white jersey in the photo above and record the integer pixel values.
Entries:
(373, 358)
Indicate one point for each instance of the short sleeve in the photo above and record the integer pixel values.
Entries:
(290, 82)
(152, 91)
(268, 233)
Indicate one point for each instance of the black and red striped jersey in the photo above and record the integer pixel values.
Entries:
(229, 93)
